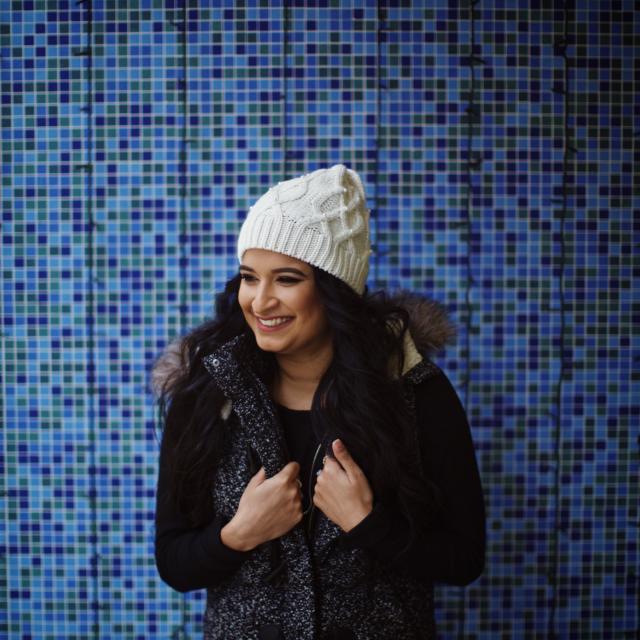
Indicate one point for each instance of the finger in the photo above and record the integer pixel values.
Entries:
(259, 477)
(291, 470)
(331, 465)
(344, 458)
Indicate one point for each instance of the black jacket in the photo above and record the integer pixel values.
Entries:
(323, 583)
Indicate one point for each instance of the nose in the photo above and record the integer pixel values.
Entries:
(264, 300)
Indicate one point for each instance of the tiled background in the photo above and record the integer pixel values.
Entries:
(499, 148)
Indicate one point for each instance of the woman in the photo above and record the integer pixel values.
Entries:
(317, 473)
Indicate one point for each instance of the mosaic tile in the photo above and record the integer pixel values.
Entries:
(134, 138)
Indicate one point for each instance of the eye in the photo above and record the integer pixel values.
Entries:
(288, 280)
(247, 277)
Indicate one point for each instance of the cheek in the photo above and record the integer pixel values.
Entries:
(316, 316)
(320, 321)
(244, 300)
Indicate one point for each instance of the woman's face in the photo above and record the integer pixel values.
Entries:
(280, 303)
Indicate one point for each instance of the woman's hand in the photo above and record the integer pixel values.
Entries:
(342, 491)
(267, 509)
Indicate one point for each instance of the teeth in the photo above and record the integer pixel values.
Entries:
(272, 322)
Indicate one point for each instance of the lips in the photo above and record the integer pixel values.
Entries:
(273, 324)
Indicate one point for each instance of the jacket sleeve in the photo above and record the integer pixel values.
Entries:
(452, 549)
(189, 558)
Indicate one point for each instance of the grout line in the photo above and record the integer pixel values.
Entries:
(560, 49)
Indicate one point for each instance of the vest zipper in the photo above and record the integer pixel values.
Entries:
(312, 506)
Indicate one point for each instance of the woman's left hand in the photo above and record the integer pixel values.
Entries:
(342, 491)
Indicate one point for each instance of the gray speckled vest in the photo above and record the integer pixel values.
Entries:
(298, 587)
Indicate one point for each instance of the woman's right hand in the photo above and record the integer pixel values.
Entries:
(268, 508)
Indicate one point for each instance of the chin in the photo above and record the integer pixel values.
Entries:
(268, 344)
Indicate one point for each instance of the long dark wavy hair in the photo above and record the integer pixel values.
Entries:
(360, 398)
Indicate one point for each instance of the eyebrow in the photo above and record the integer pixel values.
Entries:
(280, 270)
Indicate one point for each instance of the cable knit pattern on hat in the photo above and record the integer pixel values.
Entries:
(320, 218)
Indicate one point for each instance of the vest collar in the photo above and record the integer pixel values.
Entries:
(236, 372)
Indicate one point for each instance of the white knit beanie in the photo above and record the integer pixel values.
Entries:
(320, 218)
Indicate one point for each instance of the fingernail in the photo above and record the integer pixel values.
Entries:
(338, 443)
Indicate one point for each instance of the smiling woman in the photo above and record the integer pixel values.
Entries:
(317, 472)
(281, 305)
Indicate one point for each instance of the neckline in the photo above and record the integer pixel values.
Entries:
(281, 406)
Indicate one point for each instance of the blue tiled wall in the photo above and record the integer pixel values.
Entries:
(499, 148)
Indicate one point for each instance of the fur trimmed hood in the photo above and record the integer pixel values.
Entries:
(430, 326)
(430, 329)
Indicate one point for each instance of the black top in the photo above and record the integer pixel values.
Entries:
(302, 444)
(452, 551)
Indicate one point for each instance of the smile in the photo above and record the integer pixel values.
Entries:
(269, 324)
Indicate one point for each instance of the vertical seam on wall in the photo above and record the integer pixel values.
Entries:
(285, 40)
(182, 172)
(560, 49)
(379, 87)
(473, 163)
(181, 28)
(4, 322)
(90, 226)
(182, 33)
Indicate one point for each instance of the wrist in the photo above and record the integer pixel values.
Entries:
(357, 519)
(232, 537)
